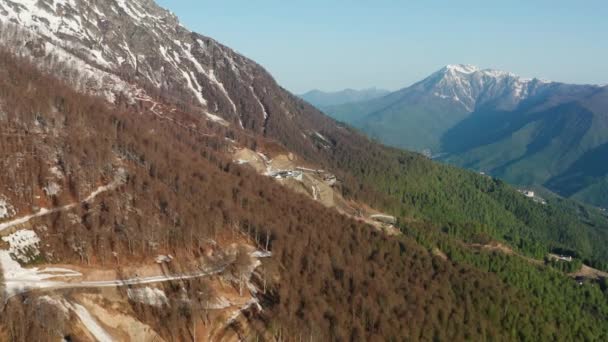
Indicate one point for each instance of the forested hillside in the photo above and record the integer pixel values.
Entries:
(527, 132)
(469, 205)
(332, 277)
(109, 174)
(321, 99)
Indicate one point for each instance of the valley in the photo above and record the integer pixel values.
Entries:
(156, 185)
(528, 132)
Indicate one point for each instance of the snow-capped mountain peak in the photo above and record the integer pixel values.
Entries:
(461, 68)
(469, 86)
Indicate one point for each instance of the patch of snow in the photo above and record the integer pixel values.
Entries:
(261, 254)
(99, 58)
(23, 245)
(217, 119)
(497, 73)
(130, 10)
(163, 52)
(441, 95)
(211, 76)
(321, 137)
(56, 172)
(85, 78)
(195, 90)
(177, 57)
(192, 59)
(462, 68)
(149, 296)
(132, 57)
(162, 259)
(315, 192)
(52, 189)
(18, 279)
(90, 323)
(518, 90)
(6, 209)
(259, 103)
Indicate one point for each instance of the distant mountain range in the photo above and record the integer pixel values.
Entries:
(212, 204)
(526, 131)
(321, 99)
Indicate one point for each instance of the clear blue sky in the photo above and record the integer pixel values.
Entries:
(335, 44)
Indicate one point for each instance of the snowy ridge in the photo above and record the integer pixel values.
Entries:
(461, 68)
(95, 40)
(470, 86)
(82, 75)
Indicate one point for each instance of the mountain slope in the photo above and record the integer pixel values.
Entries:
(185, 204)
(143, 44)
(322, 99)
(416, 117)
(528, 132)
(537, 145)
(182, 197)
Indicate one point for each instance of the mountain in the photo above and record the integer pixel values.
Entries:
(321, 99)
(157, 185)
(526, 131)
(114, 44)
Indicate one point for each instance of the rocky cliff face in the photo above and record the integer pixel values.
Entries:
(133, 49)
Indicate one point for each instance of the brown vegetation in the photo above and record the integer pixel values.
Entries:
(330, 278)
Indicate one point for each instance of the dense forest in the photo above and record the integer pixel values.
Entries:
(467, 204)
(330, 277)
(411, 186)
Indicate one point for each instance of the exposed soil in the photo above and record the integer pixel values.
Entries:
(590, 273)
(121, 326)
(314, 183)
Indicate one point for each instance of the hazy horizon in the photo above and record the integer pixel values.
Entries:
(391, 45)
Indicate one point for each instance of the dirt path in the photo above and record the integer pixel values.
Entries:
(584, 272)
(499, 247)
(45, 211)
(20, 280)
(589, 272)
(161, 116)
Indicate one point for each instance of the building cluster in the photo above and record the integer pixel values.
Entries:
(532, 195)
